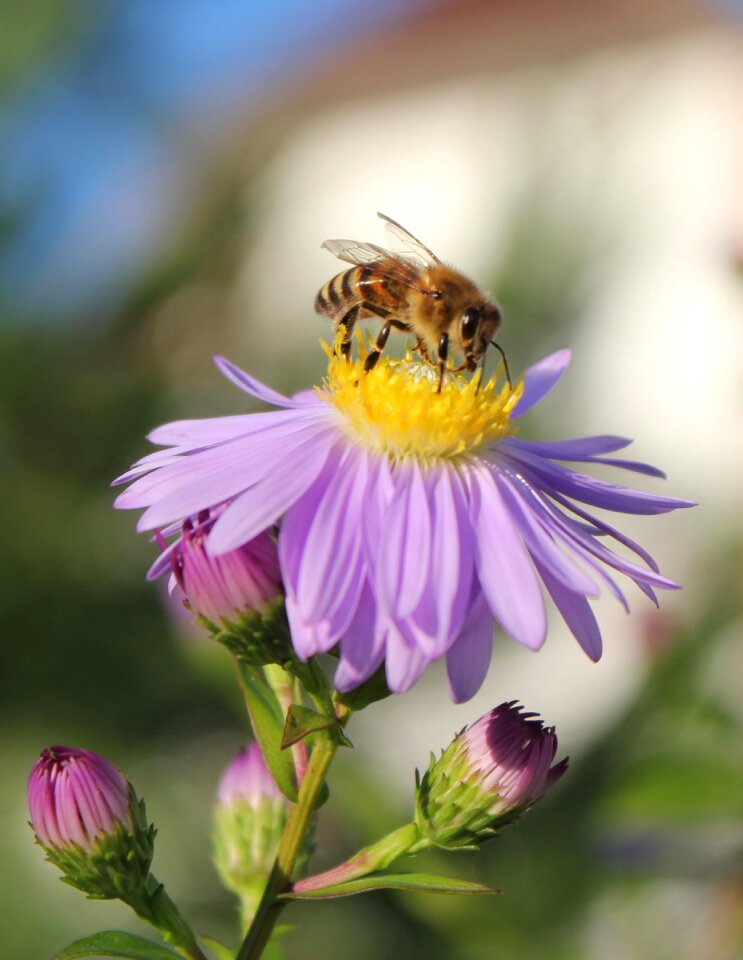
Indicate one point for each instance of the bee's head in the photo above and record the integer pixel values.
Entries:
(477, 328)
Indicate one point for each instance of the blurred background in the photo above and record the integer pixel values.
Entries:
(169, 171)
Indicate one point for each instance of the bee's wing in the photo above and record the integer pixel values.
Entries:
(357, 253)
(411, 243)
(387, 264)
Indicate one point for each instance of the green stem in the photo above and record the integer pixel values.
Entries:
(376, 856)
(289, 848)
(156, 907)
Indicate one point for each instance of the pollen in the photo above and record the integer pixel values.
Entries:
(396, 408)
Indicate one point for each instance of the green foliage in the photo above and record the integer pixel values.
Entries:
(115, 943)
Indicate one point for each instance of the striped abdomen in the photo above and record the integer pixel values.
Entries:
(361, 285)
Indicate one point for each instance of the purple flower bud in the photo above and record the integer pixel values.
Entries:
(247, 779)
(231, 586)
(87, 818)
(487, 777)
(511, 754)
(75, 796)
(249, 818)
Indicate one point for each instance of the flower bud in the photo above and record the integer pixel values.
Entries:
(248, 822)
(490, 774)
(90, 823)
(237, 595)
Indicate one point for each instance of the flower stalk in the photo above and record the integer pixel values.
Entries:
(290, 847)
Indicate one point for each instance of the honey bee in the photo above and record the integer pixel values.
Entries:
(414, 292)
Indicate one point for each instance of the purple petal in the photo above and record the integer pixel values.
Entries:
(405, 544)
(362, 645)
(220, 474)
(308, 639)
(576, 449)
(468, 659)
(374, 516)
(223, 467)
(576, 612)
(404, 661)
(572, 534)
(505, 571)
(601, 527)
(584, 451)
(207, 432)
(443, 604)
(254, 387)
(330, 565)
(609, 496)
(540, 379)
(261, 506)
(540, 543)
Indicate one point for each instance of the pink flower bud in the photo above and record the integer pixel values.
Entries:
(229, 587)
(487, 777)
(247, 779)
(75, 796)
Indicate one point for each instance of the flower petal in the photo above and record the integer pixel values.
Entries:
(261, 506)
(505, 571)
(540, 543)
(362, 645)
(540, 379)
(254, 387)
(332, 544)
(443, 604)
(467, 661)
(576, 612)
(610, 496)
(404, 661)
(405, 544)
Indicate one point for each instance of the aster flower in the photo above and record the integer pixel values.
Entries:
(489, 775)
(89, 822)
(410, 521)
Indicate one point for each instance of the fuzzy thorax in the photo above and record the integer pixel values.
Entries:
(396, 408)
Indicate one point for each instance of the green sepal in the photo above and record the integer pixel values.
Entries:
(303, 721)
(267, 720)
(258, 637)
(368, 692)
(425, 882)
(116, 865)
(116, 943)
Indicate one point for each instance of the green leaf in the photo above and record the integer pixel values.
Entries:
(302, 721)
(220, 951)
(267, 720)
(426, 882)
(116, 943)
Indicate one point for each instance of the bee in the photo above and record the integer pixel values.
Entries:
(413, 292)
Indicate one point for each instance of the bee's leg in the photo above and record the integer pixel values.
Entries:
(381, 342)
(347, 322)
(443, 354)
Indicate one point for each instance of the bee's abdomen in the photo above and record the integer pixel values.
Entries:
(339, 293)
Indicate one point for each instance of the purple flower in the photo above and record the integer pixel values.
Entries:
(490, 774)
(75, 797)
(410, 521)
(228, 587)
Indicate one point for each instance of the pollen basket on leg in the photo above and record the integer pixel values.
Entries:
(395, 408)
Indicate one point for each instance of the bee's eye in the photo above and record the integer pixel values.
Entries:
(470, 321)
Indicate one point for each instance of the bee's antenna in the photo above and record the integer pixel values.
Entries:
(499, 348)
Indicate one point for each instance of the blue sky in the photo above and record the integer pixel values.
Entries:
(93, 138)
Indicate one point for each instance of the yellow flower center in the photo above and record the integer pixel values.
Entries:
(396, 408)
